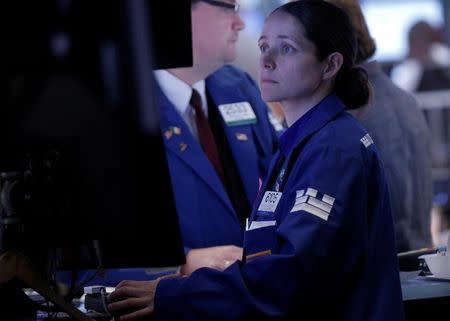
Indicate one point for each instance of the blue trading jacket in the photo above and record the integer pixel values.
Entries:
(320, 240)
(206, 215)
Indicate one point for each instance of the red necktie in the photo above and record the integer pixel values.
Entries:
(205, 134)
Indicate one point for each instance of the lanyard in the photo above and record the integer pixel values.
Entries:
(278, 184)
(283, 169)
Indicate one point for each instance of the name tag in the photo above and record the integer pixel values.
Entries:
(237, 113)
(270, 201)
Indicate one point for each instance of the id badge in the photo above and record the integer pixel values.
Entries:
(237, 113)
(270, 201)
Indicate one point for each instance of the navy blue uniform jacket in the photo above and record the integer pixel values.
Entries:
(205, 212)
(321, 247)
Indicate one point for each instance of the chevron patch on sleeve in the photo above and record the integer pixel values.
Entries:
(312, 203)
(367, 140)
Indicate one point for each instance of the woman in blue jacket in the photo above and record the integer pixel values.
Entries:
(320, 239)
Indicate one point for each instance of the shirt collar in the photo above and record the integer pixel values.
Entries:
(310, 122)
(178, 92)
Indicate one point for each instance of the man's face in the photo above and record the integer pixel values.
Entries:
(214, 33)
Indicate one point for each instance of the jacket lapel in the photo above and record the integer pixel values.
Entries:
(180, 142)
(242, 138)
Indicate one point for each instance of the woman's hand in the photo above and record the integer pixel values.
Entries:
(217, 257)
(132, 300)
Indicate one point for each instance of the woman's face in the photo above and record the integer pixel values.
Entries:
(289, 69)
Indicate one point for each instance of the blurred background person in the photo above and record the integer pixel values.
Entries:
(440, 220)
(426, 69)
(427, 57)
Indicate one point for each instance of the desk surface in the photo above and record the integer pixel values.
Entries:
(415, 287)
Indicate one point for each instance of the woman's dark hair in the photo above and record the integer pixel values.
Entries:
(330, 30)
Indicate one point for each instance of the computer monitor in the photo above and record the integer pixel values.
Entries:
(85, 180)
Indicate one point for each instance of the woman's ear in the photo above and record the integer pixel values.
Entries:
(333, 64)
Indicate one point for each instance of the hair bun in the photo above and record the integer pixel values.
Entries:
(353, 87)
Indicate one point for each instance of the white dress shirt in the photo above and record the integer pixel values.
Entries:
(179, 93)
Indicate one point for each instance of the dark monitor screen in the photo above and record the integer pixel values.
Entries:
(171, 23)
(82, 155)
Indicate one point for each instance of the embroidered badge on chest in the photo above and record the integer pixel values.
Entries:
(313, 202)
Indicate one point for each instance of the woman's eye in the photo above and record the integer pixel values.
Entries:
(263, 47)
(287, 49)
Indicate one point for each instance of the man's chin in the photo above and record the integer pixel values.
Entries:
(230, 57)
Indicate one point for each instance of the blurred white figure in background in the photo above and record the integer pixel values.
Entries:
(426, 69)
(427, 50)
(440, 220)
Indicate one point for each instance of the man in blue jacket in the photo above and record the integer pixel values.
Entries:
(212, 206)
(214, 194)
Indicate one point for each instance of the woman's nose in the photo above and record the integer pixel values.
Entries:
(267, 62)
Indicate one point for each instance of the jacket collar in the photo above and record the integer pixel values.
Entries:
(311, 122)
